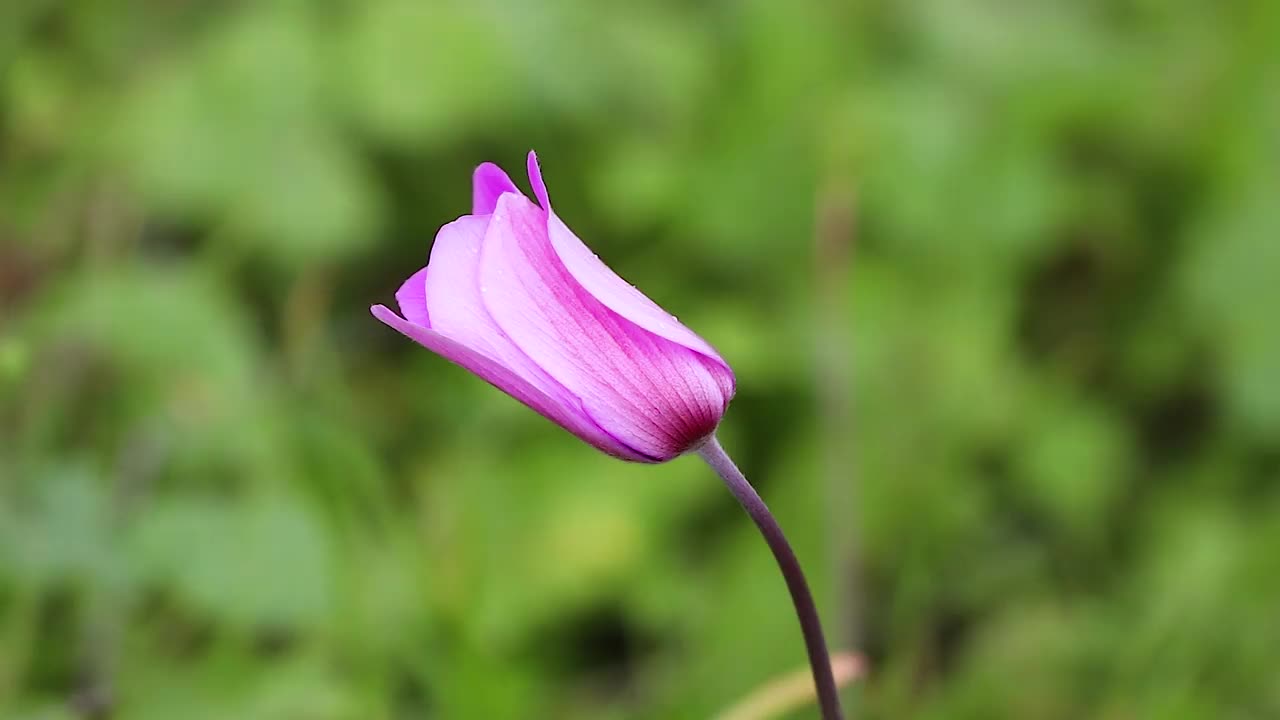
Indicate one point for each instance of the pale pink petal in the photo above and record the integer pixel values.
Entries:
(571, 418)
(453, 302)
(488, 183)
(412, 299)
(617, 294)
(654, 394)
(453, 295)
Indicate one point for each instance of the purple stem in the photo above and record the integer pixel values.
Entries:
(806, 611)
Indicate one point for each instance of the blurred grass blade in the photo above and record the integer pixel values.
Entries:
(793, 690)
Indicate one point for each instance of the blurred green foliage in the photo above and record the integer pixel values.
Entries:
(227, 492)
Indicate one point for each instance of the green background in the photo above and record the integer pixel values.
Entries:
(999, 281)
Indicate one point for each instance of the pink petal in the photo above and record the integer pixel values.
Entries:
(488, 183)
(617, 294)
(655, 395)
(412, 299)
(569, 417)
(453, 300)
(453, 295)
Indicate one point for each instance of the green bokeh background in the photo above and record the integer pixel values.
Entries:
(999, 280)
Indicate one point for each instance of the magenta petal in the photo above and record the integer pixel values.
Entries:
(488, 183)
(655, 395)
(570, 418)
(535, 179)
(617, 294)
(412, 299)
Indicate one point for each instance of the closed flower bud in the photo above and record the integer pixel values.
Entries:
(511, 294)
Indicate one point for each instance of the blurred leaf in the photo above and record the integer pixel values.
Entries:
(1075, 462)
(63, 535)
(213, 135)
(267, 564)
(1235, 264)
(400, 61)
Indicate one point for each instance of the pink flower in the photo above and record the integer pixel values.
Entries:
(511, 294)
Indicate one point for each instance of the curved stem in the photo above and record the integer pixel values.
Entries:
(806, 611)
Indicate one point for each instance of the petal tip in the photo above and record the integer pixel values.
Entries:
(383, 313)
(535, 179)
(412, 299)
(488, 183)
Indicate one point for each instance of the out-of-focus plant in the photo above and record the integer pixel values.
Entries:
(223, 491)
